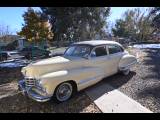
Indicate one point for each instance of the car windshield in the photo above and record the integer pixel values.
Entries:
(78, 51)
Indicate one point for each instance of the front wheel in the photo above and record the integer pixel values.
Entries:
(126, 72)
(63, 92)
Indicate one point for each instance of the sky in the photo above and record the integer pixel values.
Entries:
(117, 12)
(12, 16)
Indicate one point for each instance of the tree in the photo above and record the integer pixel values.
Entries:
(155, 14)
(119, 29)
(36, 27)
(76, 23)
(135, 25)
(4, 32)
(125, 27)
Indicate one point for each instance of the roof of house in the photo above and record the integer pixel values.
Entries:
(96, 42)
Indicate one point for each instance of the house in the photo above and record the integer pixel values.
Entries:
(7, 41)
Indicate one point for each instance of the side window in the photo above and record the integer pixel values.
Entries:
(99, 51)
(114, 49)
(81, 51)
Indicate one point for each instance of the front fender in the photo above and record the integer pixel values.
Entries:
(51, 80)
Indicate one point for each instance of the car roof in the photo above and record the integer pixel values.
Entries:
(96, 42)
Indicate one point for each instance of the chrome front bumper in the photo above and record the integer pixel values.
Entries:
(32, 94)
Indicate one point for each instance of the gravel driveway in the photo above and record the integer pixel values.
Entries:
(142, 84)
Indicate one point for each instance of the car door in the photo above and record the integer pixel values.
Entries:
(115, 52)
(99, 58)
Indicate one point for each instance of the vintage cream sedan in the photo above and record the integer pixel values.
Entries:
(82, 65)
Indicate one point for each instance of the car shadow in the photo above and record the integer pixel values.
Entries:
(109, 84)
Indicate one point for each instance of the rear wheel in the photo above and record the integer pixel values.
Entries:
(126, 72)
(63, 92)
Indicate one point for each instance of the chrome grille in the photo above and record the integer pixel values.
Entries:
(29, 81)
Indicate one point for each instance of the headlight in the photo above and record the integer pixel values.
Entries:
(23, 71)
(40, 86)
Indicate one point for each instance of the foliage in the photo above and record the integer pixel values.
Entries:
(77, 23)
(5, 34)
(155, 13)
(135, 24)
(4, 30)
(36, 26)
(119, 29)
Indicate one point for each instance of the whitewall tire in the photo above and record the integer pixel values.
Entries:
(63, 92)
(126, 72)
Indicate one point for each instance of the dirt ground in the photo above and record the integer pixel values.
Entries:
(8, 75)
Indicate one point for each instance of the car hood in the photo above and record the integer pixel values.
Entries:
(39, 68)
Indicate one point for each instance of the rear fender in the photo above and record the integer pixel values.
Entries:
(126, 62)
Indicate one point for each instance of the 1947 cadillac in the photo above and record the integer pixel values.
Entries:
(82, 65)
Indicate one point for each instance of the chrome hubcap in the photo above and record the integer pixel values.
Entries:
(126, 72)
(64, 92)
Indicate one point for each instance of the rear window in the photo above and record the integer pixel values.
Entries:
(114, 49)
(99, 51)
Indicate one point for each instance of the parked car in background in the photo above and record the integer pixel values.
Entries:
(34, 52)
(14, 55)
(3, 55)
(57, 51)
(82, 65)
